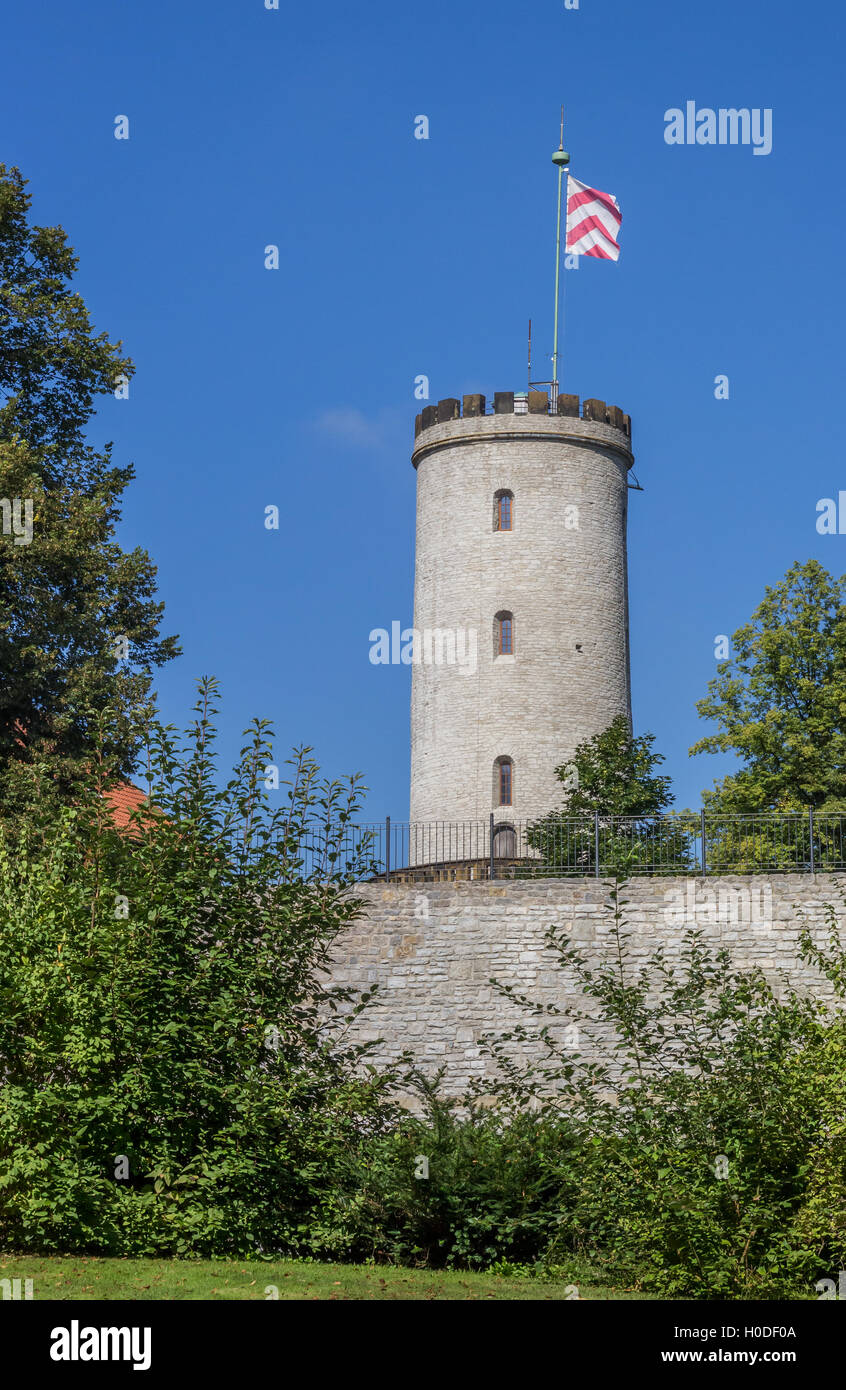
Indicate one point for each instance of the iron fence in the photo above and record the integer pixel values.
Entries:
(696, 844)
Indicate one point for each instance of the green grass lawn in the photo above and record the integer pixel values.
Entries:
(75, 1277)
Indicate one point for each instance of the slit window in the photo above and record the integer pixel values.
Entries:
(504, 634)
(504, 511)
(504, 782)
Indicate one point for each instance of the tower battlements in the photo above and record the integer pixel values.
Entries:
(535, 403)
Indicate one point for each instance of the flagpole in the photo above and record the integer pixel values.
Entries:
(562, 159)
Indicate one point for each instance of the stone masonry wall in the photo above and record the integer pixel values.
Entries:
(433, 949)
(561, 572)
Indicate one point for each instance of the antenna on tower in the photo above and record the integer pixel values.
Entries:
(530, 354)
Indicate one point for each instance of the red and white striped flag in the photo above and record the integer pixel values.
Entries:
(593, 222)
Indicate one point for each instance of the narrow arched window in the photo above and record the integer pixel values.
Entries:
(506, 783)
(503, 510)
(504, 634)
(503, 782)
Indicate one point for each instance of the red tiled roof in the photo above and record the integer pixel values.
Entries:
(124, 800)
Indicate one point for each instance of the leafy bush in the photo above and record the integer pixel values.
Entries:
(490, 1181)
(712, 1144)
(706, 1157)
(174, 1073)
(175, 1077)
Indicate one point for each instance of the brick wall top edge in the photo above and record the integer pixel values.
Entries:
(816, 885)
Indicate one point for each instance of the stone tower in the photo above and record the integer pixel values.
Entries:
(520, 600)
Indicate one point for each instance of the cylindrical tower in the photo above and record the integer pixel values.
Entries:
(521, 647)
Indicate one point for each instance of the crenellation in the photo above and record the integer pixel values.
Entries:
(595, 410)
(533, 402)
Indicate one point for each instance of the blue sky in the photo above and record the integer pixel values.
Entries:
(399, 256)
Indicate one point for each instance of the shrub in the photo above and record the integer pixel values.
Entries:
(712, 1144)
(490, 1181)
(174, 1074)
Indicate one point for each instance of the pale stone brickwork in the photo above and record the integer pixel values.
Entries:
(561, 571)
(433, 949)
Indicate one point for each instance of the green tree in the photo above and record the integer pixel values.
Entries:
(779, 701)
(52, 365)
(614, 773)
(611, 779)
(68, 593)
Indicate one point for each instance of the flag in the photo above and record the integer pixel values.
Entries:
(593, 222)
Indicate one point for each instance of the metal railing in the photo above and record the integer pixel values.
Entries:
(696, 844)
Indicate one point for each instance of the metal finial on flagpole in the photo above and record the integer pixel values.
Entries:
(562, 159)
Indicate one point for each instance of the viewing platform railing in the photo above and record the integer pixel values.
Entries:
(695, 844)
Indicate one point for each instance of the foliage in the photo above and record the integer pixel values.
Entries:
(175, 1077)
(614, 773)
(703, 1157)
(780, 700)
(773, 842)
(485, 1195)
(70, 593)
(178, 1079)
(712, 1154)
(52, 365)
(613, 793)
